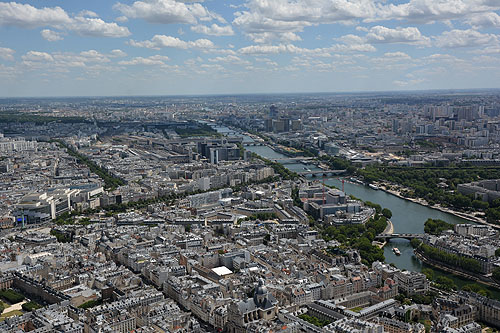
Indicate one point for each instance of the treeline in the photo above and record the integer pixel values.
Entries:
(435, 184)
(445, 283)
(110, 182)
(30, 306)
(91, 304)
(450, 259)
(314, 320)
(197, 130)
(296, 199)
(61, 238)
(360, 237)
(337, 163)
(11, 296)
(37, 119)
(278, 168)
(169, 199)
(492, 211)
(262, 217)
(303, 150)
(436, 227)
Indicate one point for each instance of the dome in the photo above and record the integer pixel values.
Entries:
(261, 288)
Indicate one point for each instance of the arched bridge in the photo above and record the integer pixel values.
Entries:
(321, 172)
(300, 158)
(405, 236)
(255, 143)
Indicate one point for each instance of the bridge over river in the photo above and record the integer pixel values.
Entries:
(394, 235)
(321, 172)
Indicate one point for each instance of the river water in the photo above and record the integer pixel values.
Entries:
(407, 216)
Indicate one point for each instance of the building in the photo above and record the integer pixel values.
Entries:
(411, 283)
(352, 325)
(19, 144)
(262, 306)
(273, 112)
(43, 207)
(486, 190)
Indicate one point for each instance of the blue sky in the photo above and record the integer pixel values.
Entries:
(163, 47)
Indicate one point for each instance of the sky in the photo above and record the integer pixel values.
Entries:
(177, 47)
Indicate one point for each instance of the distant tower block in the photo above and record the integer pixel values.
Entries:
(273, 111)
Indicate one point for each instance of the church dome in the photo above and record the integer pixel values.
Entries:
(261, 288)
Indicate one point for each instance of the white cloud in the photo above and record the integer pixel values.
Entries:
(121, 19)
(94, 56)
(61, 62)
(426, 11)
(117, 53)
(213, 30)
(86, 23)
(292, 16)
(8, 72)
(230, 59)
(484, 20)
(161, 41)
(37, 56)
(348, 46)
(6, 53)
(408, 35)
(51, 36)
(165, 11)
(397, 55)
(88, 13)
(488, 50)
(268, 37)
(149, 61)
(465, 38)
(96, 27)
(287, 15)
(269, 49)
(27, 16)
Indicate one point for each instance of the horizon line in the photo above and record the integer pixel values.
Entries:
(355, 92)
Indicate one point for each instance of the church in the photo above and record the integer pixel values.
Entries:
(263, 306)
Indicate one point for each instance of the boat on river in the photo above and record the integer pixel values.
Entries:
(396, 251)
(373, 187)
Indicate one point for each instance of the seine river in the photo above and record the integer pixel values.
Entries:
(407, 217)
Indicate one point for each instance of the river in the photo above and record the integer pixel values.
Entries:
(407, 216)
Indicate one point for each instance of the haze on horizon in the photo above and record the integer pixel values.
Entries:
(182, 47)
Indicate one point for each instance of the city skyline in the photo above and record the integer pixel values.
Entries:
(168, 47)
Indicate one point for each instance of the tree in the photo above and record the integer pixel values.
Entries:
(475, 288)
(415, 242)
(378, 208)
(267, 238)
(445, 283)
(30, 306)
(436, 227)
(480, 205)
(429, 273)
(387, 213)
(496, 274)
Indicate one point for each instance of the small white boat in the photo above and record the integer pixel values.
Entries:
(396, 251)
(373, 187)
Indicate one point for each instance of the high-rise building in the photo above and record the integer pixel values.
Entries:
(273, 112)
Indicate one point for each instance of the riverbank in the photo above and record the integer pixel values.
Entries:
(408, 217)
(447, 269)
(422, 202)
(388, 231)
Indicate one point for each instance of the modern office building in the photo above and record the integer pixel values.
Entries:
(42, 207)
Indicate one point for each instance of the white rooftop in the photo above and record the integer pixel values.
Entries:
(222, 270)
